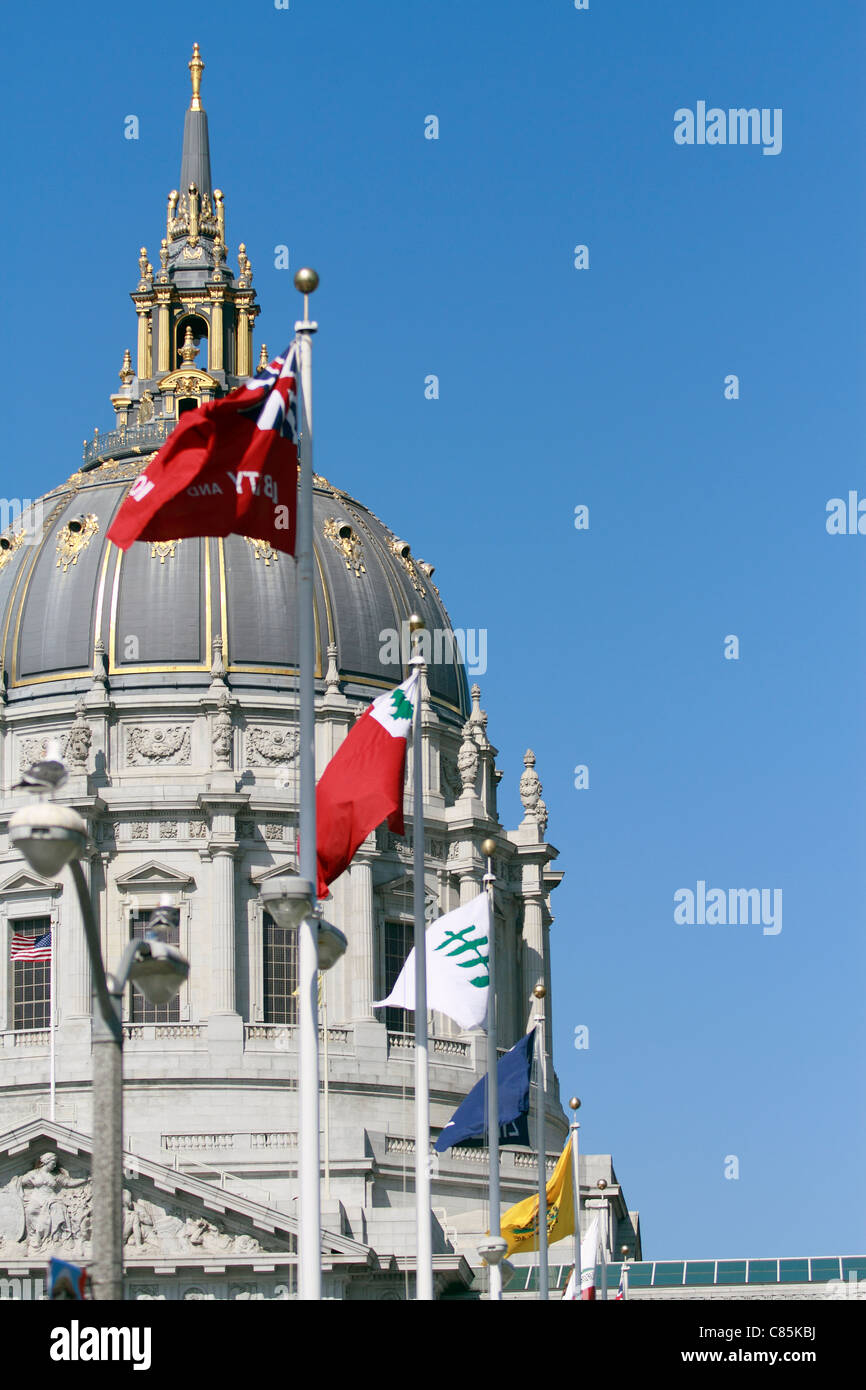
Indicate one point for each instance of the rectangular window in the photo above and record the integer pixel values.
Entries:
(399, 939)
(31, 979)
(280, 972)
(140, 1011)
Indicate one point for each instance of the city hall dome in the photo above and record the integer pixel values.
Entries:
(171, 612)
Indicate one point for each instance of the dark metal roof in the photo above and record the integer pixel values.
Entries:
(157, 612)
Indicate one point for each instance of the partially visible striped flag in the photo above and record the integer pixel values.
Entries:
(30, 947)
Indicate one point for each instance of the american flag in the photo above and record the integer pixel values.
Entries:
(30, 947)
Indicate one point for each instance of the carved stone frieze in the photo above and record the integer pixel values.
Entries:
(48, 1211)
(74, 744)
(157, 744)
(270, 747)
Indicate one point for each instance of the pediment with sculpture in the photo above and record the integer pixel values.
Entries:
(46, 1201)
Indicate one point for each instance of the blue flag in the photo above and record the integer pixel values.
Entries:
(468, 1124)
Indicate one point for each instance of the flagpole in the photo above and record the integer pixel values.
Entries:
(541, 1087)
(601, 1185)
(52, 1068)
(326, 1126)
(309, 1210)
(423, 1204)
(488, 849)
(575, 1183)
(624, 1272)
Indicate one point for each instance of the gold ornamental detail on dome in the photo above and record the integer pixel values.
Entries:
(8, 546)
(262, 550)
(163, 550)
(74, 538)
(402, 551)
(346, 540)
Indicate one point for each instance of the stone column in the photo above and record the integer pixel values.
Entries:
(222, 917)
(361, 961)
(72, 972)
(533, 955)
(470, 887)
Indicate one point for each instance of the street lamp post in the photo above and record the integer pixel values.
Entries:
(290, 900)
(50, 836)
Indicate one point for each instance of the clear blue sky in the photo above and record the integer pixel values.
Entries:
(558, 387)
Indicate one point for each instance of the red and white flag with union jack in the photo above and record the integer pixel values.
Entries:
(230, 466)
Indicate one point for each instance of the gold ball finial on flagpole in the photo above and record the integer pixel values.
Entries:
(488, 848)
(601, 1184)
(306, 280)
(539, 991)
(574, 1103)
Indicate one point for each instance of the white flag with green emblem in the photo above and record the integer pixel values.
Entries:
(458, 982)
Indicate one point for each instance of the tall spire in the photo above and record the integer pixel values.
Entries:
(195, 162)
(195, 315)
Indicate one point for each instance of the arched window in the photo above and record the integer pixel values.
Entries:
(198, 337)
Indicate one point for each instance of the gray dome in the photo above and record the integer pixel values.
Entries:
(158, 607)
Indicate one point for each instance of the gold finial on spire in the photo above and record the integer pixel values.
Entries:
(263, 357)
(126, 373)
(196, 68)
(189, 351)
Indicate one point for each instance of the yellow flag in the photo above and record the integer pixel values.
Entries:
(520, 1222)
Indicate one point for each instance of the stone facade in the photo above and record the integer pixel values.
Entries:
(168, 675)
